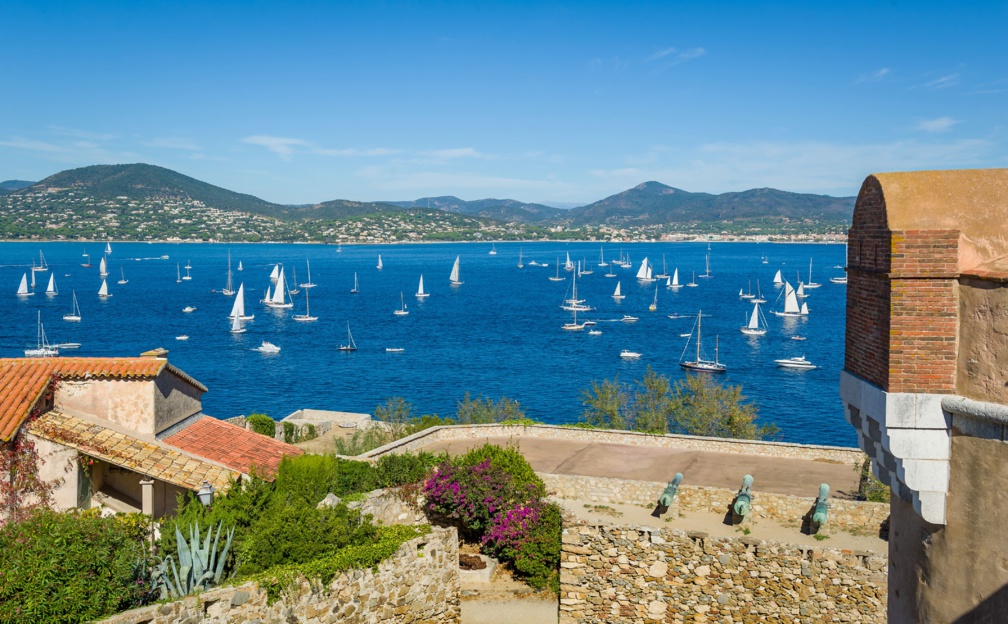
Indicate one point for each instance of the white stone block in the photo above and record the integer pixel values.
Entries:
(930, 506)
(924, 475)
(900, 410)
(930, 414)
(918, 443)
(850, 389)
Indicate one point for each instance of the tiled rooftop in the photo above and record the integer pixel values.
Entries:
(155, 461)
(232, 446)
(24, 380)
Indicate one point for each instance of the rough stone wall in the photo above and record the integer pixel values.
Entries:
(983, 340)
(625, 574)
(420, 583)
(787, 510)
(748, 447)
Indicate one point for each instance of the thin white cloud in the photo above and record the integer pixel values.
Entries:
(943, 82)
(673, 56)
(453, 153)
(940, 124)
(82, 134)
(282, 146)
(875, 76)
(174, 143)
(32, 145)
(377, 151)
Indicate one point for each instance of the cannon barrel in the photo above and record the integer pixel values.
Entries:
(743, 500)
(821, 513)
(670, 490)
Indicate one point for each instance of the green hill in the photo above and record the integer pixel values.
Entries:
(509, 210)
(13, 185)
(653, 203)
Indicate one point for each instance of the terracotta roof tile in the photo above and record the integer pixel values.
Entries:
(155, 461)
(232, 446)
(23, 381)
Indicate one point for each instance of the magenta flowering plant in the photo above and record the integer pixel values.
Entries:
(470, 495)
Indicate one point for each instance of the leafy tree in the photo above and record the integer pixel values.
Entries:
(653, 403)
(702, 406)
(606, 404)
(484, 411)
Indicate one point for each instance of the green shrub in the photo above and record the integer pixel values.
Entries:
(483, 411)
(509, 461)
(537, 558)
(398, 470)
(290, 433)
(71, 567)
(869, 487)
(297, 532)
(262, 424)
(309, 478)
(308, 432)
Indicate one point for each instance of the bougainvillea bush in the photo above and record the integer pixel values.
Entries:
(495, 498)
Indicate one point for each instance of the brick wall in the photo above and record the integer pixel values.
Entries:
(902, 301)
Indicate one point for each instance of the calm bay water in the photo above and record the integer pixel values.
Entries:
(497, 335)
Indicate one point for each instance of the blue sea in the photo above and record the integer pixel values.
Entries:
(498, 334)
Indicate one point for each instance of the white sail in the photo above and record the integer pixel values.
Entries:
(804, 309)
(790, 301)
(22, 290)
(278, 294)
(74, 310)
(420, 291)
(568, 265)
(268, 295)
(754, 319)
(801, 290)
(240, 268)
(454, 277)
(51, 288)
(275, 273)
(675, 278)
(520, 265)
(103, 291)
(379, 262)
(617, 294)
(33, 278)
(102, 268)
(236, 325)
(108, 248)
(644, 272)
(777, 279)
(238, 307)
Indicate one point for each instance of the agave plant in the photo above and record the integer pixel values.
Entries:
(199, 567)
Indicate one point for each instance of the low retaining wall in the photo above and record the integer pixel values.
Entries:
(843, 514)
(417, 441)
(624, 574)
(420, 583)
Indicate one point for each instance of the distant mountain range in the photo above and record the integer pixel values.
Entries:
(647, 204)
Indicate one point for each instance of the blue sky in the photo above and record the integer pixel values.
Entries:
(301, 102)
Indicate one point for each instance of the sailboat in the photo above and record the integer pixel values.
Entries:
(601, 259)
(42, 266)
(520, 265)
(617, 295)
(74, 310)
(568, 265)
(748, 294)
(790, 302)
(777, 279)
(379, 267)
(356, 288)
(644, 273)
(22, 290)
(309, 283)
(238, 308)
(33, 280)
(51, 288)
(574, 304)
(759, 295)
(765, 260)
(493, 249)
(573, 326)
(800, 292)
(654, 304)
(237, 326)
(339, 247)
(122, 277)
(838, 280)
(401, 311)
(306, 317)
(700, 364)
(454, 277)
(102, 268)
(557, 278)
(87, 261)
(187, 277)
(663, 274)
(229, 286)
(810, 283)
(350, 345)
(420, 294)
(707, 272)
(103, 292)
(275, 273)
(278, 299)
(240, 267)
(188, 264)
(757, 325)
(294, 281)
(692, 283)
(43, 348)
(108, 249)
(674, 284)
(178, 273)
(583, 268)
(610, 273)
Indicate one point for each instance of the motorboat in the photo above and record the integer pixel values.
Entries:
(629, 319)
(627, 354)
(795, 362)
(267, 347)
(189, 309)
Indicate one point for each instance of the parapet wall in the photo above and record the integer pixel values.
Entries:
(633, 438)
(625, 574)
(787, 510)
(420, 583)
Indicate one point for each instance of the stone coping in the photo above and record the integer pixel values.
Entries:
(423, 438)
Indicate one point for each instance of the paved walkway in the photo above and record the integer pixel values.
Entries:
(798, 477)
